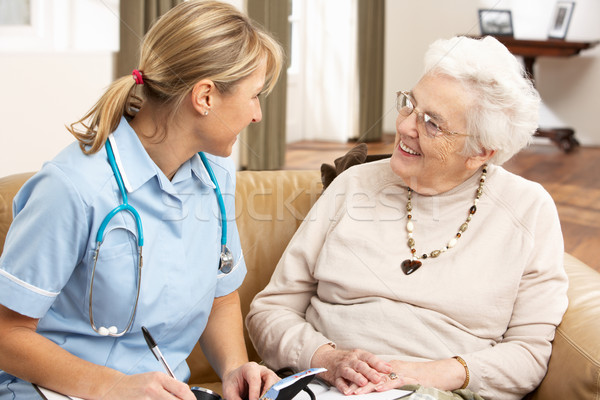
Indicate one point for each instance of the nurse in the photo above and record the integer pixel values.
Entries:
(70, 315)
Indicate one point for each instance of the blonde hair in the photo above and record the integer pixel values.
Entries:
(193, 41)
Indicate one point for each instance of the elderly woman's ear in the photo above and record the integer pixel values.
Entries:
(474, 162)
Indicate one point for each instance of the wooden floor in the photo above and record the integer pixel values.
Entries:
(572, 179)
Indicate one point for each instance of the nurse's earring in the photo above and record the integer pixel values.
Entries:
(199, 100)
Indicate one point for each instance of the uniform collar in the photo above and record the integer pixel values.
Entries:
(136, 166)
(199, 169)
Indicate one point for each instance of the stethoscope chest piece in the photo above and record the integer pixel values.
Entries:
(226, 263)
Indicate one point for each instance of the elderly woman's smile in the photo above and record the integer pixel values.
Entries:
(431, 133)
(438, 267)
(407, 149)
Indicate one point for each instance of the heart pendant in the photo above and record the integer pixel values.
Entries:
(410, 266)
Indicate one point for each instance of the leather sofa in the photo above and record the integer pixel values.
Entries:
(271, 206)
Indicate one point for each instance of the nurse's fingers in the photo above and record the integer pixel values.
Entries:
(269, 378)
(246, 382)
(150, 385)
(259, 379)
(178, 389)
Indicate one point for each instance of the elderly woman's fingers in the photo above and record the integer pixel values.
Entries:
(352, 388)
(367, 365)
(349, 374)
(368, 388)
(375, 362)
(342, 386)
(393, 381)
(369, 372)
(354, 367)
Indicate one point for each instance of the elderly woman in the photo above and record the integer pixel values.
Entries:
(436, 267)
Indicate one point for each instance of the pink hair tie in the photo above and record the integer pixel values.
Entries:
(137, 76)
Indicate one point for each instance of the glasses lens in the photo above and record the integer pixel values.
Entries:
(403, 104)
(431, 127)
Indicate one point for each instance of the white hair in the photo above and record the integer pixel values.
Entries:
(505, 111)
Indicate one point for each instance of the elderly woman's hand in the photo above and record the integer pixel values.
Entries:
(445, 374)
(349, 369)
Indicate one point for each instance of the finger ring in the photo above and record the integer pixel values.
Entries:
(393, 376)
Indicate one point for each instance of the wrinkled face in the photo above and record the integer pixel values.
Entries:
(431, 165)
(231, 112)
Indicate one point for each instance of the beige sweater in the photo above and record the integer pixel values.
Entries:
(494, 299)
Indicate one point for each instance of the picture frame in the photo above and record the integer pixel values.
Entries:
(495, 22)
(559, 24)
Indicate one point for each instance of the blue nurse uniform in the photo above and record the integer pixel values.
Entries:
(46, 266)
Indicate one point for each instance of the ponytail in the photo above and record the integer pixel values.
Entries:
(105, 115)
(194, 40)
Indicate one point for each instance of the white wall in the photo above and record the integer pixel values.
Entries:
(569, 86)
(40, 94)
(44, 88)
(51, 73)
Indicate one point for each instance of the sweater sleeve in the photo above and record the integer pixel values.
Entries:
(276, 321)
(516, 365)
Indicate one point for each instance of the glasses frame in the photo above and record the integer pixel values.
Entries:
(422, 117)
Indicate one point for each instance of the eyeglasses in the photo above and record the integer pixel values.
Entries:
(405, 105)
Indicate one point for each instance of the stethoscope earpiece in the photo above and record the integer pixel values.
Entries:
(104, 331)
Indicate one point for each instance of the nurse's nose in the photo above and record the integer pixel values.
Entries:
(257, 117)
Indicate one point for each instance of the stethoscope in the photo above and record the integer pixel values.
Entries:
(226, 259)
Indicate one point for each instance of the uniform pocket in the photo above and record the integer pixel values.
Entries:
(115, 280)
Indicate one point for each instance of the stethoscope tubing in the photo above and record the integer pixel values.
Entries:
(125, 206)
(213, 178)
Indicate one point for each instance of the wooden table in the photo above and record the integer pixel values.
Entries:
(530, 50)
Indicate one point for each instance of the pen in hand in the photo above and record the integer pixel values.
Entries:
(156, 351)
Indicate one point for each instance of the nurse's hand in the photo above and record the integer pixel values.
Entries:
(150, 385)
(249, 381)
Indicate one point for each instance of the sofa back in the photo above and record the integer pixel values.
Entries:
(270, 206)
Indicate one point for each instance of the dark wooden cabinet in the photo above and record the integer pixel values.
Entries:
(530, 50)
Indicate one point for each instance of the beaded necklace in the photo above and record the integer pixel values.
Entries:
(411, 265)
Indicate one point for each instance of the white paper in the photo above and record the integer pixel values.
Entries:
(323, 392)
(50, 395)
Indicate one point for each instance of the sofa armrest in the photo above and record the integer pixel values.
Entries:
(574, 368)
(9, 186)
